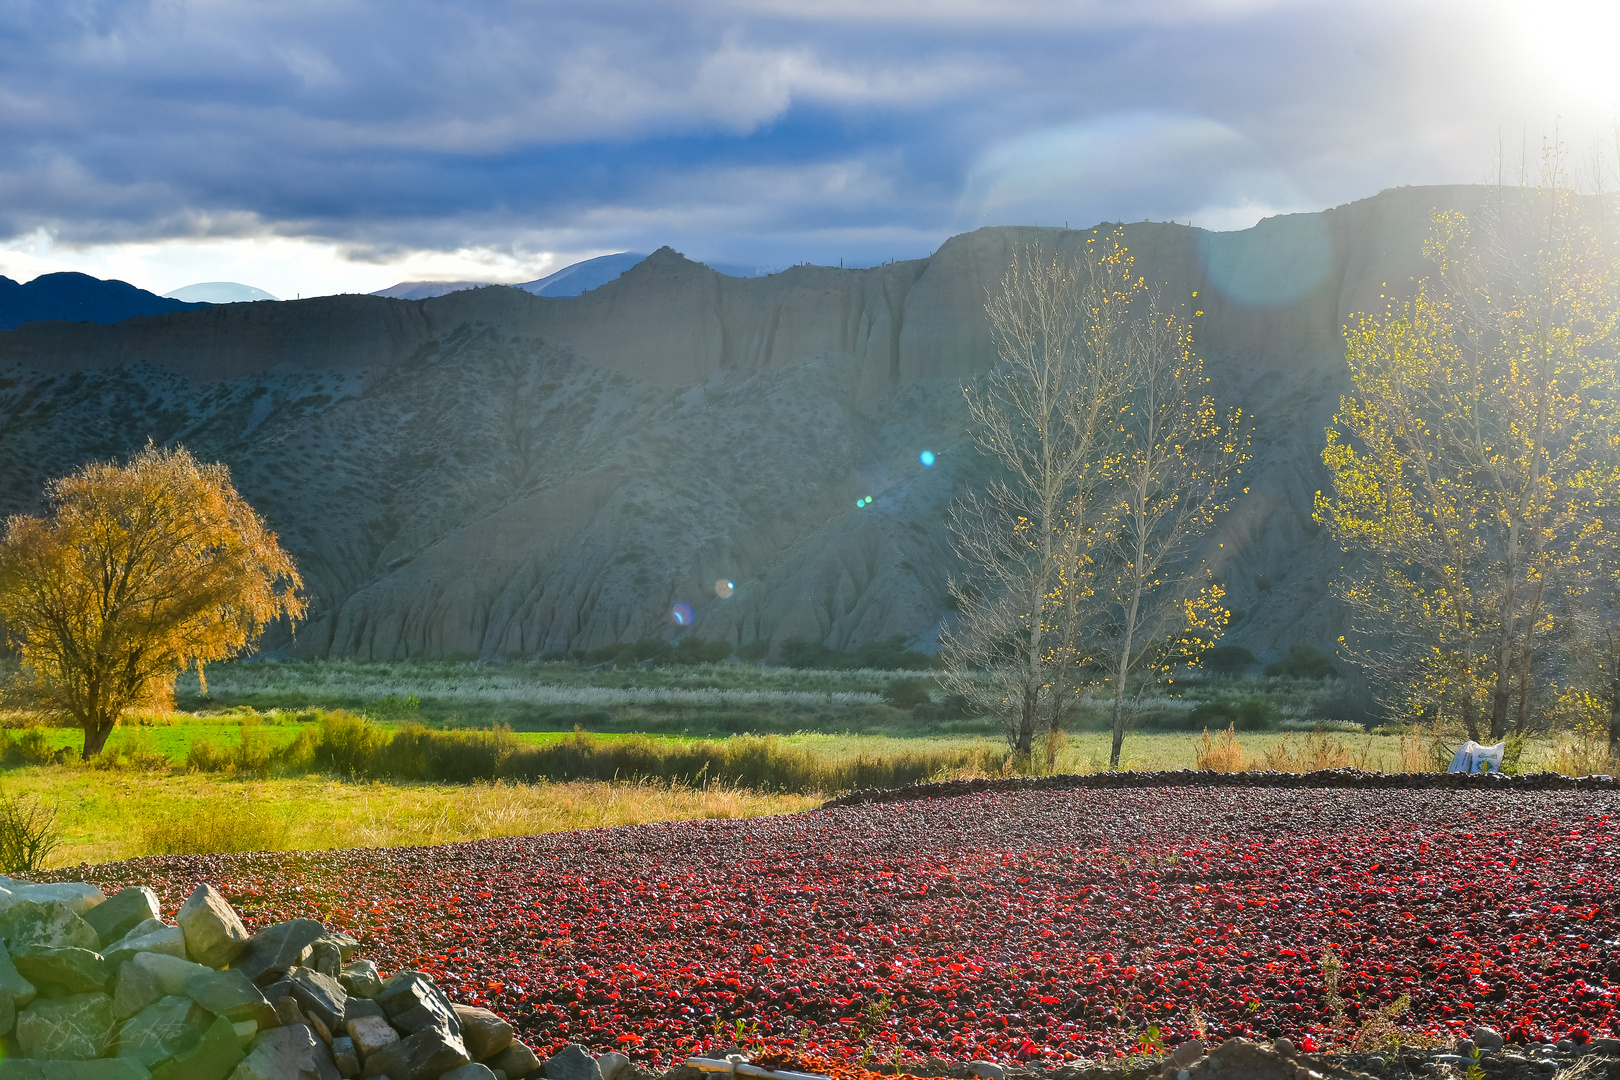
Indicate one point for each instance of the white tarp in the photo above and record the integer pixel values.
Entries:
(1476, 758)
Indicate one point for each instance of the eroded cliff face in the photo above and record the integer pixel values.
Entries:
(493, 473)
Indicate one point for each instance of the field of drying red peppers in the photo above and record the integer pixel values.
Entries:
(1037, 925)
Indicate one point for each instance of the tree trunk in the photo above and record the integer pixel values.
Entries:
(1119, 710)
(1614, 717)
(96, 730)
(1470, 720)
(1024, 745)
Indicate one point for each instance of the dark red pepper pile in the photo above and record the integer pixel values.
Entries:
(1034, 925)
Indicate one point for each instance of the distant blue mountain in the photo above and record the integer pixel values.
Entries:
(219, 292)
(79, 298)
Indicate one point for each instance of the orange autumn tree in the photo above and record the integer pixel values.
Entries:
(139, 572)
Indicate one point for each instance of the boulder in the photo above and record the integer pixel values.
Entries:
(355, 1008)
(318, 996)
(246, 1031)
(133, 990)
(78, 896)
(360, 979)
(611, 1065)
(276, 950)
(213, 1057)
(76, 1027)
(162, 1030)
(1488, 1038)
(345, 1057)
(370, 1034)
(214, 934)
(484, 1033)
(325, 958)
(148, 937)
(288, 1014)
(100, 1069)
(987, 1070)
(472, 1071)
(415, 1004)
(78, 971)
(171, 972)
(344, 944)
(55, 925)
(572, 1062)
(120, 913)
(425, 1055)
(516, 1060)
(15, 993)
(229, 994)
(287, 1053)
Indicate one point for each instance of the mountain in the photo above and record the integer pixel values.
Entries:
(77, 297)
(492, 472)
(219, 292)
(573, 280)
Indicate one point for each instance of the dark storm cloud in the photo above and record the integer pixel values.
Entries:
(767, 131)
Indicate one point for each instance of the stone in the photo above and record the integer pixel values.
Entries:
(345, 1056)
(414, 1003)
(162, 1030)
(171, 972)
(472, 1071)
(1284, 1047)
(276, 950)
(370, 1034)
(213, 1057)
(26, 1069)
(54, 925)
(984, 1070)
(78, 896)
(161, 939)
(318, 996)
(288, 1014)
(423, 1055)
(78, 971)
(325, 958)
(15, 993)
(355, 1008)
(214, 933)
(574, 1062)
(321, 1029)
(229, 994)
(610, 1064)
(1188, 1052)
(1564, 1046)
(100, 1069)
(519, 1059)
(120, 913)
(287, 1053)
(246, 1031)
(346, 945)
(76, 1027)
(1376, 1063)
(1466, 1047)
(360, 979)
(1487, 1038)
(133, 990)
(485, 1033)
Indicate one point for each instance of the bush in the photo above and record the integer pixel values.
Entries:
(31, 747)
(29, 833)
(1228, 660)
(1243, 714)
(907, 693)
(688, 651)
(889, 655)
(1302, 662)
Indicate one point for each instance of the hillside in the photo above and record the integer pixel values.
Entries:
(491, 472)
(78, 298)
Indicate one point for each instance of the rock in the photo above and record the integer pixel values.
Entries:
(78, 896)
(100, 1069)
(321, 1029)
(76, 1027)
(318, 995)
(1284, 1047)
(161, 939)
(519, 1059)
(610, 1065)
(370, 1034)
(325, 958)
(1376, 1062)
(572, 1062)
(428, 1053)
(133, 990)
(287, 1053)
(1240, 1058)
(276, 950)
(987, 1070)
(1487, 1038)
(288, 1014)
(279, 989)
(345, 1056)
(471, 1071)
(214, 934)
(122, 912)
(1188, 1052)
(214, 1056)
(229, 994)
(344, 944)
(162, 1030)
(355, 1008)
(78, 971)
(171, 972)
(360, 979)
(15, 993)
(1466, 1047)
(414, 1004)
(487, 1034)
(54, 925)
(246, 1031)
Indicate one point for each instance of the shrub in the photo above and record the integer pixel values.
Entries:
(1244, 714)
(907, 693)
(29, 833)
(349, 743)
(1225, 754)
(1228, 660)
(754, 651)
(889, 655)
(1302, 662)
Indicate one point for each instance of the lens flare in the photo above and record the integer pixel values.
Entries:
(927, 458)
(682, 614)
(723, 588)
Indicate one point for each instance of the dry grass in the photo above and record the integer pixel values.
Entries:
(109, 816)
(1315, 751)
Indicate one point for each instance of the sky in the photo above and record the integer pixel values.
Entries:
(308, 147)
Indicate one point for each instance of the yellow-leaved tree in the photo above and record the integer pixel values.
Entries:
(1468, 461)
(140, 571)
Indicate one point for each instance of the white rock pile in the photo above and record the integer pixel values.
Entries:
(97, 987)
